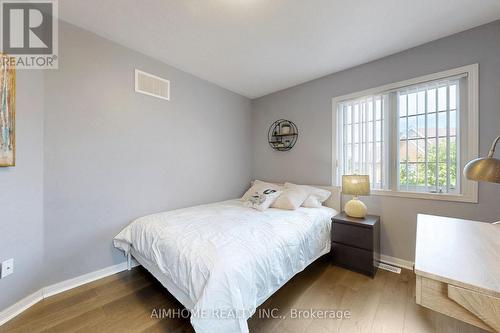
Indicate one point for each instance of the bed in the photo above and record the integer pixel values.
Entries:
(223, 260)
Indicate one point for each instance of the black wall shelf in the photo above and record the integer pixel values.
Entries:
(282, 135)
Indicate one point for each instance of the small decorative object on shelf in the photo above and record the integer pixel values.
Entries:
(282, 135)
(285, 129)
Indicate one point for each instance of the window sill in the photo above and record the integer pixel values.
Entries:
(471, 198)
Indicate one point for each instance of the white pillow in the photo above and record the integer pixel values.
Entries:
(259, 187)
(262, 200)
(292, 197)
(316, 198)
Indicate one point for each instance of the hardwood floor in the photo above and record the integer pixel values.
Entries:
(124, 303)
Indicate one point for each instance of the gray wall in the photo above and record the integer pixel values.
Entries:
(112, 155)
(310, 106)
(21, 195)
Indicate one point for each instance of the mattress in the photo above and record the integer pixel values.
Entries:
(223, 260)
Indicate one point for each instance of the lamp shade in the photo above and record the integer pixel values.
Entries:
(486, 169)
(483, 169)
(356, 184)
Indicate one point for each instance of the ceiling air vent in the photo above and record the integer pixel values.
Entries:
(152, 85)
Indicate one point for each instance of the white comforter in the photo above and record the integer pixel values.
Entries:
(227, 258)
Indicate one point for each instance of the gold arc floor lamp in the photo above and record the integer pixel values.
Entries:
(484, 169)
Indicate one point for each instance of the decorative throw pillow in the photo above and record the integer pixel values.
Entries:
(316, 198)
(292, 197)
(259, 187)
(262, 200)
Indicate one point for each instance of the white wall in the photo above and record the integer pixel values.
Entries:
(309, 105)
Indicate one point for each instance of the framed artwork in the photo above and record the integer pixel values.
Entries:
(7, 113)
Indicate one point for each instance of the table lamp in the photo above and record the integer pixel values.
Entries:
(356, 185)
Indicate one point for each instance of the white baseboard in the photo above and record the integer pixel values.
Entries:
(397, 262)
(84, 279)
(60, 287)
(20, 306)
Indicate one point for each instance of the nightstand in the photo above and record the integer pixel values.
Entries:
(356, 243)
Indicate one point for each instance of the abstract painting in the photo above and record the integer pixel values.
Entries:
(7, 112)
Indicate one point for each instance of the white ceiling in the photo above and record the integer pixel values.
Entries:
(256, 47)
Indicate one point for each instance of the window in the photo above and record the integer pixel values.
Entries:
(427, 132)
(364, 136)
(412, 137)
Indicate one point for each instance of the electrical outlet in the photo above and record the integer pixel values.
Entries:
(7, 267)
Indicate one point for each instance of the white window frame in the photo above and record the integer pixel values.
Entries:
(469, 140)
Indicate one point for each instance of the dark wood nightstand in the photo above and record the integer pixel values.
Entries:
(356, 243)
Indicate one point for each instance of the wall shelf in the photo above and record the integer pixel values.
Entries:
(282, 135)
